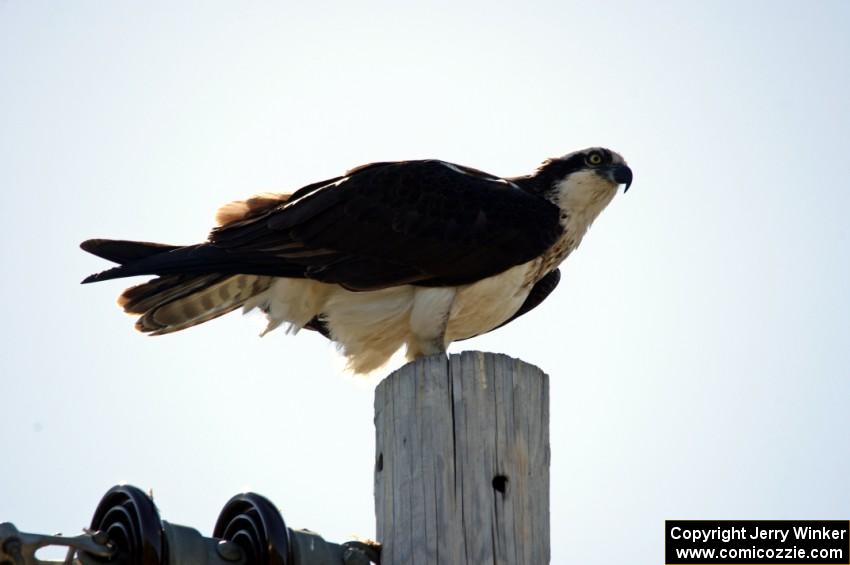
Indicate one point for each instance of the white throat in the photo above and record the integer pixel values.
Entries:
(581, 197)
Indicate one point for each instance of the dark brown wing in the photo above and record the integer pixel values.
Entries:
(422, 222)
(428, 223)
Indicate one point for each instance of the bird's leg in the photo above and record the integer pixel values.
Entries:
(429, 318)
(421, 348)
(418, 347)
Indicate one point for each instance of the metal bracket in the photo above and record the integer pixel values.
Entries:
(310, 549)
(18, 548)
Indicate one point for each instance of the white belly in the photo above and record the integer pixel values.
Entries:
(482, 306)
(370, 326)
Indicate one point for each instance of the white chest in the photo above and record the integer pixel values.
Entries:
(581, 197)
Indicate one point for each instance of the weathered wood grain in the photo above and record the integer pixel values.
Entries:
(462, 462)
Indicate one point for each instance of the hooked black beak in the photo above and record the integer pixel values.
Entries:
(622, 174)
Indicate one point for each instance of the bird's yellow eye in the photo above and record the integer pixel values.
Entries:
(594, 159)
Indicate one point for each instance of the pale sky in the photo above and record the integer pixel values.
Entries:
(698, 343)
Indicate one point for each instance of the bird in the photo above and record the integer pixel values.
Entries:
(415, 254)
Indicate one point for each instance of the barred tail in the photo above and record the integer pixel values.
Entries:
(175, 302)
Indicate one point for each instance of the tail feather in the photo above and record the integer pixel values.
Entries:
(194, 283)
(142, 258)
(176, 302)
(122, 251)
(142, 297)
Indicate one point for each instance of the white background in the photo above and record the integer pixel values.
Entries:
(698, 343)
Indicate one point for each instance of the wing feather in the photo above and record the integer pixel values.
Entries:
(428, 223)
(422, 222)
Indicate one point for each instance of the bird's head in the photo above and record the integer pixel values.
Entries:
(586, 179)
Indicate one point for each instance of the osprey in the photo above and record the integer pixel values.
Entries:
(408, 253)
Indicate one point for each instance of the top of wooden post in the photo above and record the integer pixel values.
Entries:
(462, 461)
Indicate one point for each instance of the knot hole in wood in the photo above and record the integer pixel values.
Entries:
(500, 483)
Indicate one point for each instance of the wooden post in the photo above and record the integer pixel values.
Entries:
(462, 462)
